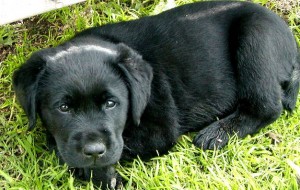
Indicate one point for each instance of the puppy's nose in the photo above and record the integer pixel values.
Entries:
(94, 149)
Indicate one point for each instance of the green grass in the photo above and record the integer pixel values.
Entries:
(262, 161)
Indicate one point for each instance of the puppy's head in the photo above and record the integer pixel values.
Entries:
(84, 92)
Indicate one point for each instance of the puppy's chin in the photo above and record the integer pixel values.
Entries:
(75, 157)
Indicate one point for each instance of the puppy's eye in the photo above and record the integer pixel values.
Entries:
(110, 104)
(64, 108)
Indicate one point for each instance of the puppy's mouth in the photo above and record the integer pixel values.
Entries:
(96, 161)
(94, 156)
(99, 160)
(80, 161)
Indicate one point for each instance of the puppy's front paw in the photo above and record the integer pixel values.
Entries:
(116, 182)
(213, 136)
(106, 177)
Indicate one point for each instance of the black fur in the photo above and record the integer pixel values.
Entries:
(220, 68)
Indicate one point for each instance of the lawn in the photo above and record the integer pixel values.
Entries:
(267, 160)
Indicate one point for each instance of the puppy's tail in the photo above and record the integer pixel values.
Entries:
(291, 88)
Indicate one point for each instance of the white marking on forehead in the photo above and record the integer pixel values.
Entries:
(211, 11)
(78, 49)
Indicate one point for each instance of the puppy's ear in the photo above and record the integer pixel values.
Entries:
(138, 75)
(25, 82)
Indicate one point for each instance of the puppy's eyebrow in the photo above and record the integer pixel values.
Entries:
(78, 49)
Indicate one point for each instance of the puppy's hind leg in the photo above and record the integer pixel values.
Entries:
(263, 61)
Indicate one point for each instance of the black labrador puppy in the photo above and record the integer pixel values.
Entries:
(132, 88)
